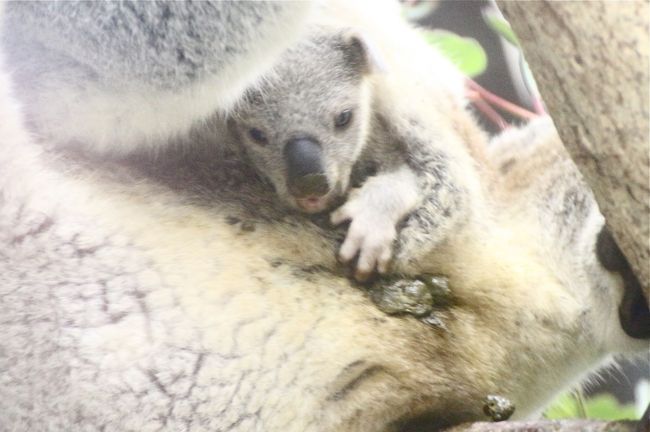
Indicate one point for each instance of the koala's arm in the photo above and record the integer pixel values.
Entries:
(424, 192)
(428, 171)
(113, 77)
(445, 204)
(374, 211)
(446, 182)
(419, 95)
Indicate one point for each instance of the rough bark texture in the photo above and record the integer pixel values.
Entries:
(590, 60)
(551, 426)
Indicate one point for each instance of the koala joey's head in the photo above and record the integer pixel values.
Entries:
(304, 127)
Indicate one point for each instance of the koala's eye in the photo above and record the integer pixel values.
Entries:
(258, 136)
(343, 119)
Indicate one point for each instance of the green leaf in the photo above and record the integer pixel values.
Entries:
(502, 27)
(565, 406)
(466, 53)
(599, 407)
(606, 407)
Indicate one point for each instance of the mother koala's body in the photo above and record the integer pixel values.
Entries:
(172, 293)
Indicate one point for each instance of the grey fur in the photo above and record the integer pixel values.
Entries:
(314, 82)
(164, 45)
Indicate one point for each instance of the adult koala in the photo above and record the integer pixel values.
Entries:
(172, 293)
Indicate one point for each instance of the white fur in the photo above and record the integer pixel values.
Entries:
(374, 210)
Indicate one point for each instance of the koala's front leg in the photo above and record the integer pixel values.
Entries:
(444, 201)
(374, 210)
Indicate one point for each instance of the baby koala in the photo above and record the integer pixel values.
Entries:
(313, 130)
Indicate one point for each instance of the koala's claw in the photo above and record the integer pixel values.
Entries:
(384, 260)
(377, 254)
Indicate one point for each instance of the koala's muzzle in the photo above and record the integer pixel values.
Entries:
(306, 173)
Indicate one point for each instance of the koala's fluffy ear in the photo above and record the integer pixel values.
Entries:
(362, 53)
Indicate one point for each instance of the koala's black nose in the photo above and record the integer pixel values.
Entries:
(306, 174)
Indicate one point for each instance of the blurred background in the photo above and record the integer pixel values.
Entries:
(476, 37)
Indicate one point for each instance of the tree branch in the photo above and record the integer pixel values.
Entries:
(549, 426)
(591, 61)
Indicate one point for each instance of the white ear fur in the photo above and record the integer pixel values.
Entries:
(368, 52)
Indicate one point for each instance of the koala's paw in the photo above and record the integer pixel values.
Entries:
(370, 236)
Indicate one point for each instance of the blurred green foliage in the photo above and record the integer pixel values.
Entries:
(501, 27)
(599, 407)
(466, 53)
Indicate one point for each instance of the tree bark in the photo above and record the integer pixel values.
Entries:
(590, 60)
(550, 426)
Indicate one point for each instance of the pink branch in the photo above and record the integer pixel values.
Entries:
(501, 103)
(487, 110)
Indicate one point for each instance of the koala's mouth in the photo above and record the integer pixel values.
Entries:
(311, 193)
(313, 204)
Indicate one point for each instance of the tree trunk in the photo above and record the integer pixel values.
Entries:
(590, 60)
